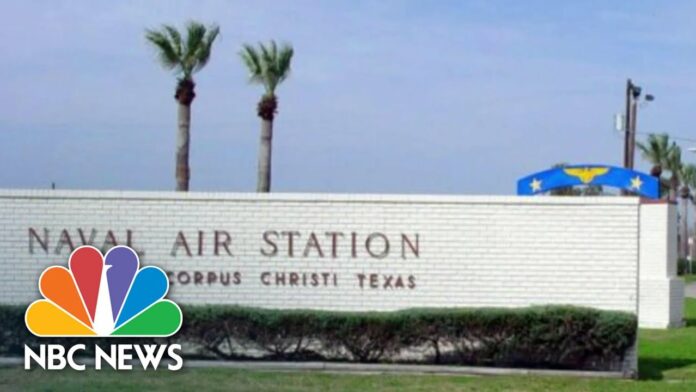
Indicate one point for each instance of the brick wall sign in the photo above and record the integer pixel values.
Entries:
(340, 252)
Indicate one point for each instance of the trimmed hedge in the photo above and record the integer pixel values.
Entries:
(550, 336)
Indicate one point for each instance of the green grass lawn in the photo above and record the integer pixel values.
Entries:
(667, 363)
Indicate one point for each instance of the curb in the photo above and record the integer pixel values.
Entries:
(371, 368)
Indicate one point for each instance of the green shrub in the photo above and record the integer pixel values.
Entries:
(367, 337)
(13, 332)
(221, 330)
(685, 266)
(547, 336)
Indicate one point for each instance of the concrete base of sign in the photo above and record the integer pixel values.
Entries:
(370, 368)
(662, 303)
(398, 368)
(661, 299)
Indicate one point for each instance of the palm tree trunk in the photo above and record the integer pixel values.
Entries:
(184, 96)
(263, 183)
(684, 251)
(673, 189)
(183, 138)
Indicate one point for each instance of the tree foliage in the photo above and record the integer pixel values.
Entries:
(268, 65)
(656, 149)
(663, 154)
(688, 175)
(187, 53)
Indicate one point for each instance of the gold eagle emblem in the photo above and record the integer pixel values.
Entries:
(586, 174)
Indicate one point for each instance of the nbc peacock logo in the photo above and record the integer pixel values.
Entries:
(101, 296)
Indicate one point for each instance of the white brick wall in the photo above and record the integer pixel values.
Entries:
(474, 251)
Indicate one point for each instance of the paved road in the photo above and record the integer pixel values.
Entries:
(690, 290)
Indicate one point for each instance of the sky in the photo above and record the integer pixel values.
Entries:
(434, 97)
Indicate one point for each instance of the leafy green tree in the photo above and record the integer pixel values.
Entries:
(185, 54)
(268, 66)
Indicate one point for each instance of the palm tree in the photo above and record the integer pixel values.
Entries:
(656, 151)
(268, 66)
(688, 179)
(185, 56)
(673, 163)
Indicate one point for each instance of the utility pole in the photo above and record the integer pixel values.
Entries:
(632, 97)
(632, 94)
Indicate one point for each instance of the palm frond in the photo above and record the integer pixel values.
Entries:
(185, 56)
(283, 62)
(688, 175)
(266, 53)
(195, 34)
(251, 59)
(673, 162)
(166, 53)
(174, 38)
(268, 65)
(203, 53)
(656, 149)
